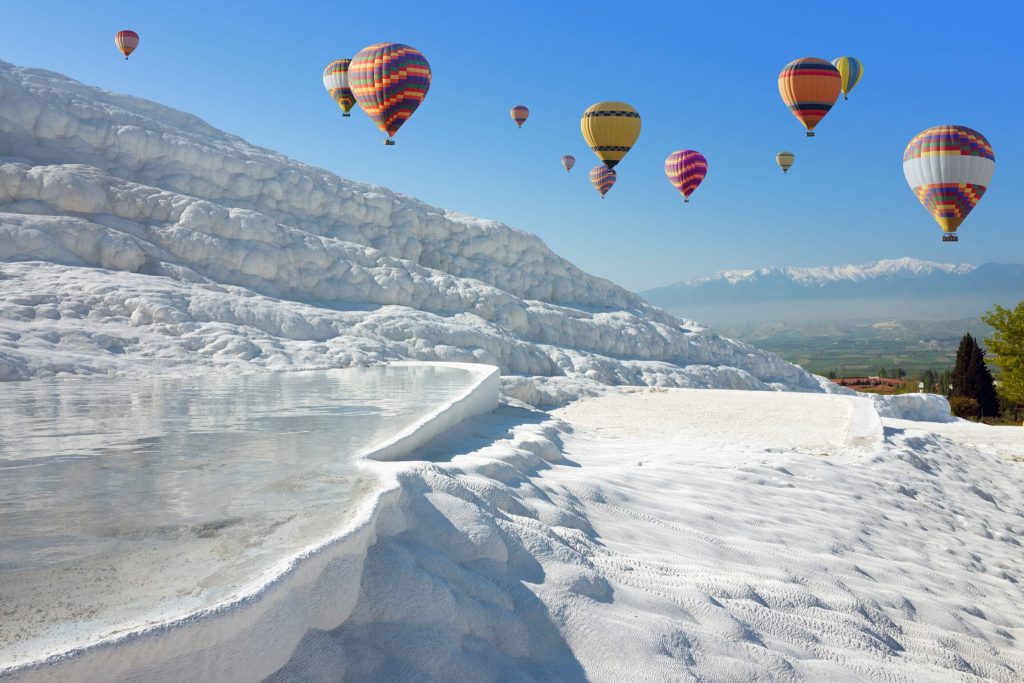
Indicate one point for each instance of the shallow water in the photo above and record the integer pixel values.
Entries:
(130, 501)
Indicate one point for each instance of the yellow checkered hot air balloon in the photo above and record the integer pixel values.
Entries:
(610, 129)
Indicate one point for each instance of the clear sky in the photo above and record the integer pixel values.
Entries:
(703, 76)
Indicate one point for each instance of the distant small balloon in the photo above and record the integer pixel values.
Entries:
(686, 170)
(602, 178)
(126, 42)
(568, 161)
(850, 70)
(519, 114)
(336, 83)
(785, 160)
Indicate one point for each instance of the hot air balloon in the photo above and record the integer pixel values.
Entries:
(809, 87)
(568, 161)
(686, 170)
(602, 178)
(389, 80)
(519, 114)
(610, 129)
(785, 160)
(949, 169)
(126, 42)
(850, 71)
(336, 82)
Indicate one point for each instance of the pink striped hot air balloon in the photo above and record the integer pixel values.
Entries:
(686, 170)
(602, 178)
(568, 161)
(126, 42)
(519, 114)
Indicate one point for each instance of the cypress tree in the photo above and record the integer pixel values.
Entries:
(972, 379)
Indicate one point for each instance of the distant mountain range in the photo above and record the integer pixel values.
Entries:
(897, 288)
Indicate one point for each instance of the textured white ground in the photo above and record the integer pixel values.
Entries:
(684, 551)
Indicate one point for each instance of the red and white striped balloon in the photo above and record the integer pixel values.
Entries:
(126, 42)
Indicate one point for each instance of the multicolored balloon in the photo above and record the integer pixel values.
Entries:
(850, 70)
(568, 161)
(389, 81)
(126, 42)
(686, 169)
(949, 168)
(785, 160)
(809, 87)
(336, 82)
(519, 114)
(602, 178)
(610, 129)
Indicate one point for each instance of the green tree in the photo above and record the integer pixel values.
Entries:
(972, 379)
(881, 373)
(1007, 347)
(929, 381)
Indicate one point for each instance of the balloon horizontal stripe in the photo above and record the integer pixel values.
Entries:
(611, 148)
(594, 115)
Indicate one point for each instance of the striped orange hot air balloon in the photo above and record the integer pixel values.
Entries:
(809, 87)
(602, 178)
(519, 114)
(389, 81)
(126, 42)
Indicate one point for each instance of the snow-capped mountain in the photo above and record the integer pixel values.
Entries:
(136, 235)
(896, 287)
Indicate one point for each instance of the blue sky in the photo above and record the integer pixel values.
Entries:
(702, 76)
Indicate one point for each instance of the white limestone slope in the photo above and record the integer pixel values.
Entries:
(137, 236)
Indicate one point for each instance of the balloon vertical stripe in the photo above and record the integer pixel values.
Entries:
(126, 42)
(850, 70)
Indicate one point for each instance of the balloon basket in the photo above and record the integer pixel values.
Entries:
(950, 237)
(810, 133)
(389, 141)
(346, 114)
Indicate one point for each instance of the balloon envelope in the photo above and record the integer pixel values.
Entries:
(610, 129)
(336, 83)
(568, 161)
(602, 178)
(126, 42)
(389, 81)
(809, 87)
(785, 160)
(850, 70)
(686, 170)
(519, 114)
(949, 168)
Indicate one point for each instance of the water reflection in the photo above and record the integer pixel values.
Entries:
(125, 500)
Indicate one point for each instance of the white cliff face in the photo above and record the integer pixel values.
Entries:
(139, 238)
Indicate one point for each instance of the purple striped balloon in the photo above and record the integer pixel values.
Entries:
(602, 178)
(686, 170)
